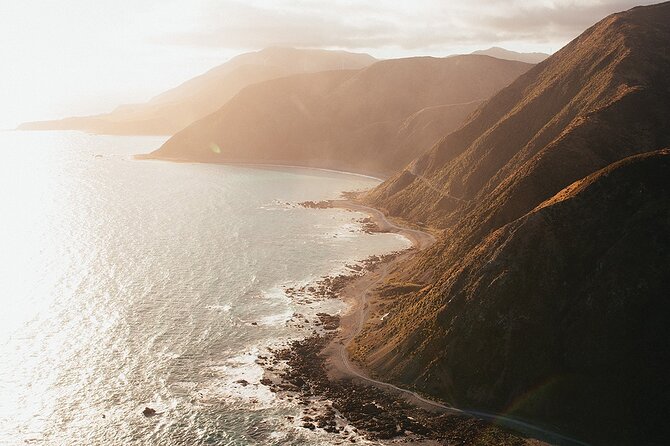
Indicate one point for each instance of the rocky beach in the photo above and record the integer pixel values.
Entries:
(337, 396)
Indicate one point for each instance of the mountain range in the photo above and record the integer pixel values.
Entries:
(174, 109)
(547, 294)
(373, 120)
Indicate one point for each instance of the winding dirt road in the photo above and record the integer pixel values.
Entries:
(357, 295)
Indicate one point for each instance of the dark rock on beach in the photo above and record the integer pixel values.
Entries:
(373, 412)
(316, 204)
(328, 321)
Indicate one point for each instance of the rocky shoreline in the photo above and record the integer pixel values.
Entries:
(349, 409)
(367, 223)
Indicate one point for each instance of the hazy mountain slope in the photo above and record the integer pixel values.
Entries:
(502, 53)
(174, 109)
(284, 61)
(369, 120)
(565, 295)
(270, 122)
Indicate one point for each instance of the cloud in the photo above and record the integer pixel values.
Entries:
(247, 25)
(420, 25)
(556, 20)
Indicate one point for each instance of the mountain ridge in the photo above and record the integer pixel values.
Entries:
(516, 113)
(174, 109)
(519, 253)
(361, 121)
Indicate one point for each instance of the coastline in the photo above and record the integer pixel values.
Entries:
(319, 367)
(330, 363)
(337, 377)
(341, 398)
(356, 295)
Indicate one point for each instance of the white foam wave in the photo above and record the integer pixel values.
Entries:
(238, 378)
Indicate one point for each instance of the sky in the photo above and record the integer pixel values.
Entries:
(77, 57)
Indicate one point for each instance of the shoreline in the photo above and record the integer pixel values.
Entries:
(357, 295)
(277, 163)
(341, 399)
(324, 359)
(338, 370)
(351, 325)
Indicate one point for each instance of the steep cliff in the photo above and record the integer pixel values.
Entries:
(540, 301)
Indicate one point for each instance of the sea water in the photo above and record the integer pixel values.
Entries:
(127, 284)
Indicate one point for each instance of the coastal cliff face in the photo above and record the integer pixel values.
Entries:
(175, 109)
(373, 120)
(548, 296)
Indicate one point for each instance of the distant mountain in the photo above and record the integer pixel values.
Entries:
(547, 297)
(174, 109)
(502, 53)
(372, 120)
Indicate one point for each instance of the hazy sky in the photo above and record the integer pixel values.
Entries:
(63, 57)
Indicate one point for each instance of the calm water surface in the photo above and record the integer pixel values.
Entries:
(126, 284)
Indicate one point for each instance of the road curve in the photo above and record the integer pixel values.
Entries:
(421, 241)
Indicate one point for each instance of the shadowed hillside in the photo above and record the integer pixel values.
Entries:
(372, 120)
(174, 109)
(547, 308)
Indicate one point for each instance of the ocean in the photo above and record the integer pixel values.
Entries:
(127, 284)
